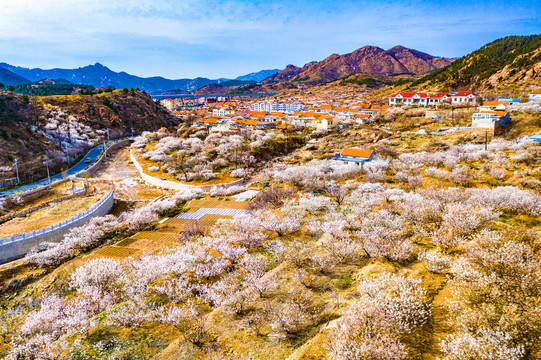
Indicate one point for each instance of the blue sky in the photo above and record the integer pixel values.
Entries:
(227, 38)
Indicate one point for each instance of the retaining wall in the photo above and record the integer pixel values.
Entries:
(172, 185)
(19, 245)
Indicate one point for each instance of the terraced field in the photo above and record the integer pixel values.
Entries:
(168, 233)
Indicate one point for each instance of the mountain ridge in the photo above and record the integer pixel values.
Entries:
(367, 59)
(99, 75)
(8, 77)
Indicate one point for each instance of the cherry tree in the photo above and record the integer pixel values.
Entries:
(383, 235)
(243, 230)
(370, 327)
(484, 344)
(187, 319)
(435, 261)
(343, 249)
(140, 218)
(102, 273)
(280, 224)
(497, 286)
(78, 239)
(43, 346)
(131, 314)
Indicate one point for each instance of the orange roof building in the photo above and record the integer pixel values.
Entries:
(354, 156)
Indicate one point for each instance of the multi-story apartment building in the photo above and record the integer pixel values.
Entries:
(268, 106)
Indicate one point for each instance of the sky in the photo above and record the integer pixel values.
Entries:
(228, 38)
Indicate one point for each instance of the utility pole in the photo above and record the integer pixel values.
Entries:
(17, 168)
(46, 162)
(486, 140)
(69, 132)
(105, 141)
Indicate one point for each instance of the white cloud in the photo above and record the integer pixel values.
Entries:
(226, 37)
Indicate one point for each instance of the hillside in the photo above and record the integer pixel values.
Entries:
(31, 127)
(10, 78)
(503, 63)
(46, 88)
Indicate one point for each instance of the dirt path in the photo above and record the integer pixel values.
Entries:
(121, 174)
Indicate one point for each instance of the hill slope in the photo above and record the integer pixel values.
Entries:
(10, 78)
(502, 62)
(31, 127)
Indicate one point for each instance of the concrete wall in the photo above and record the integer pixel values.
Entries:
(19, 245)
(172, 185)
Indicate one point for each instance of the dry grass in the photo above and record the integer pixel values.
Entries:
(209, 202)
(48, 216)
(115, 252)
(150, 241)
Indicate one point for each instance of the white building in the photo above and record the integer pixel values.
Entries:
(268, 106)
(439, 99)
(490, 119)
(535, 95)
(409, 99)
(223, 112)
(466, 98)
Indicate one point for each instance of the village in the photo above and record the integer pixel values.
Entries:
(376, 205)
(326, 112)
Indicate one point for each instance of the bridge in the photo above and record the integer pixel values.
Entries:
(214, 96)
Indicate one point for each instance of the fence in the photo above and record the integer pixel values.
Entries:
(172, 185)
(19, 245)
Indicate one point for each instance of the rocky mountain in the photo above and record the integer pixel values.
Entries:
(224, 87)
(503, 63)
(10, 78)
(369, 59)
(258, 76)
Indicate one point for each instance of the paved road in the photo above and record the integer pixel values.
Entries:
(80, 166)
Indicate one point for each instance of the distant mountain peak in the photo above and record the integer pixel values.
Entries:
(367, 59)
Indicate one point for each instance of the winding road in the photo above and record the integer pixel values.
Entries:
(93, 154)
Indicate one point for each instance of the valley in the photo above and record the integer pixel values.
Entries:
(382, 204)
